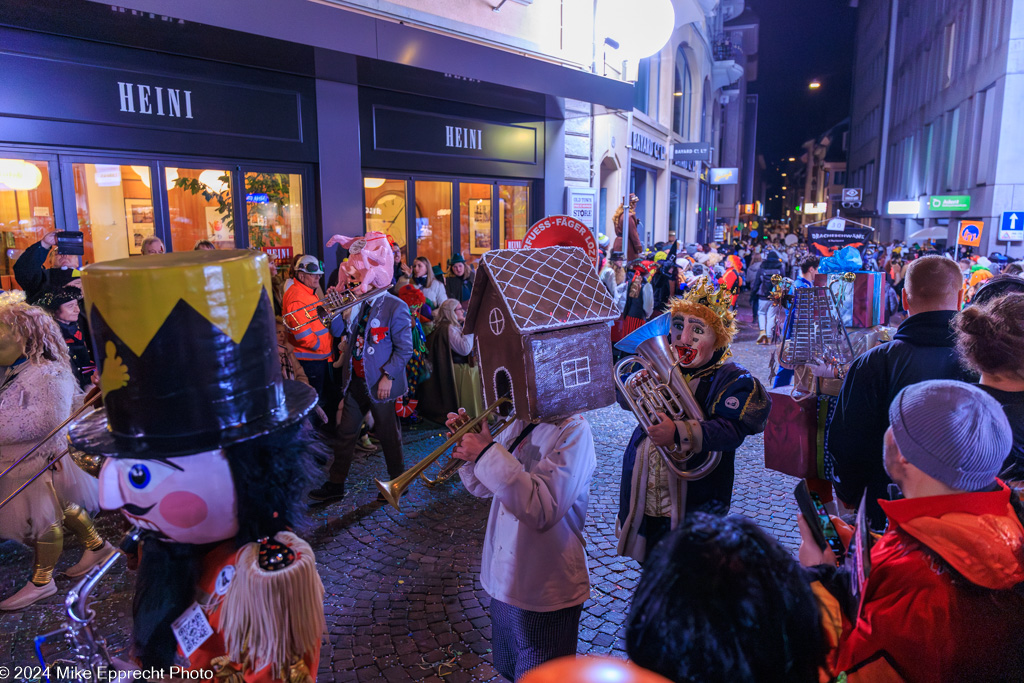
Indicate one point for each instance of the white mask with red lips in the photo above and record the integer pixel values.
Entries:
(694, 340)
(187, 499)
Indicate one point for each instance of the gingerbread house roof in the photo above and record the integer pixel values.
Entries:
(543, 289)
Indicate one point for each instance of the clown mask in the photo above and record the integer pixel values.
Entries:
(694, 340)
(187, 499)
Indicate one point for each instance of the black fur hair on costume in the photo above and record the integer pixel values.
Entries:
(271, 475)
(720, 600)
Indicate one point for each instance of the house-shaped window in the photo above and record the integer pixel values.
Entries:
(576, 372)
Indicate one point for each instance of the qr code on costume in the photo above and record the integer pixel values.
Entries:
(191, 630)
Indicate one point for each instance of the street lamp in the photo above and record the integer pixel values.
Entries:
(814, 85)
(640, 28)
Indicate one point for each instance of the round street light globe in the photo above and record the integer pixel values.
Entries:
(640, 27)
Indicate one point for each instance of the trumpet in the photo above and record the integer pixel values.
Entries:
(392, 490)
(659, 387)
(91, 398)
(325, 310)
(89, 650)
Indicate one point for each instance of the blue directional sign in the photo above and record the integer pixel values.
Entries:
(1011, 229)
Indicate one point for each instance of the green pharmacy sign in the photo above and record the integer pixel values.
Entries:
(956, 202)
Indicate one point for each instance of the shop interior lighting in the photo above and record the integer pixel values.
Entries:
(18, 174)
(143, 172)
(211, 179)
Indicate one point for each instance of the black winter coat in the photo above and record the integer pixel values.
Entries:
(762, 285)
(923, 348)
(33, 278)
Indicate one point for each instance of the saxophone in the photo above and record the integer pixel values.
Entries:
(89, 655)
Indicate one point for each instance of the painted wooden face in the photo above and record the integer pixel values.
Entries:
(187, 499)
(694, 340)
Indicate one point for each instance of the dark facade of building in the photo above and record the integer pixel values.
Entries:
(209, 121)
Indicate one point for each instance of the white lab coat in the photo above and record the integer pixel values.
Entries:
(534, 553)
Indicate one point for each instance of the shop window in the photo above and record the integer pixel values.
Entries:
(514, 218)
(682, 95)
(273, 212)
(386, 211)
(677, 208)
(433, 220)
(26, 210)
(475, 220)
(200, 206)
(114, 205)
(641, 88)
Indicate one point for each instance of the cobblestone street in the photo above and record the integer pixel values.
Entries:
(403, 600)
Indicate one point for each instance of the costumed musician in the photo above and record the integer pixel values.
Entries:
(38, 390)
(380, 345)
(203, 448)
(537, 470)
(653, 498)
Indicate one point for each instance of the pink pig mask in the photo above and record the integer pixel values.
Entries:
(371, 255)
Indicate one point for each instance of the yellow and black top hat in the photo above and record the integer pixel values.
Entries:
(187, 354)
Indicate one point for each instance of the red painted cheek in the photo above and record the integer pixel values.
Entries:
(183, 509)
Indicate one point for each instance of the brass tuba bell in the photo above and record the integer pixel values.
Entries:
(659, 387)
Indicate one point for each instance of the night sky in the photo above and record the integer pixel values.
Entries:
(801, 40)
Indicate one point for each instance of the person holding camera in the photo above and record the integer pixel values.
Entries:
(943, 593)
(34, 277)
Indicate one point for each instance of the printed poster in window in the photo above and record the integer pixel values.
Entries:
(479, 226)
(139, 218)
(220, 234)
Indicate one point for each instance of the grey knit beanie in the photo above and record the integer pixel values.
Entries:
(952, 431)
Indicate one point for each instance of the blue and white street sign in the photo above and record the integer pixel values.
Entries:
(1011, 229)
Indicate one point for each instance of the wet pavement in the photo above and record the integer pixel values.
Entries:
(403, 598)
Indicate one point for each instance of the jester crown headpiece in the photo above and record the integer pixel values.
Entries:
(710, 303)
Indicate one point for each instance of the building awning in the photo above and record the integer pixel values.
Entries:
(336, 33)
(725, 73)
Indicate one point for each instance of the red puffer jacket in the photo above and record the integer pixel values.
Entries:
(945, 597)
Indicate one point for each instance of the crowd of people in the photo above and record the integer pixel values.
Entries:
(928, 429)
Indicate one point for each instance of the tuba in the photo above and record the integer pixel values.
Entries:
(90, 660)
(659, 387)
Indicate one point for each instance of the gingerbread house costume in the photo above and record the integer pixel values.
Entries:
(540, 319)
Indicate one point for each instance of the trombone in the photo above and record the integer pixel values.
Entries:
(325, 310)
(92, 398)
(392, 490)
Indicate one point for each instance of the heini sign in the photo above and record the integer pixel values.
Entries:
(154, 99)
(463, 138)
